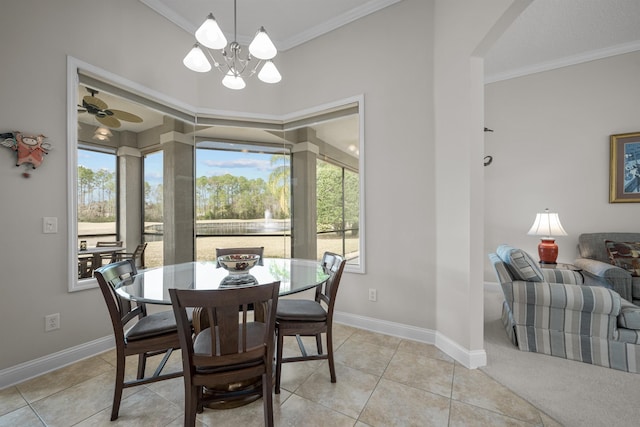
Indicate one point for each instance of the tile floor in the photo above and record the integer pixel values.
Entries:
(382, 381)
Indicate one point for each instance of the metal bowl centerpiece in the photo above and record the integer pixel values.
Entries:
(238, 263)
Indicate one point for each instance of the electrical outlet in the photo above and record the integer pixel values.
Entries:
(49, 224)
(52, 322)
(373, 295)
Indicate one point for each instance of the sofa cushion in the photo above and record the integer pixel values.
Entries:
(625, 255)
(629, 316)
(591, 245)
(521, 265)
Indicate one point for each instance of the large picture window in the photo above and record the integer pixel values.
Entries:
(242, 199)
(338, 207)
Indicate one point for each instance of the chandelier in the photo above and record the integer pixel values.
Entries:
(232, 65)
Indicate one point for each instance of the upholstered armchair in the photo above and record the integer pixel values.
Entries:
(551, 311)
(605, 263)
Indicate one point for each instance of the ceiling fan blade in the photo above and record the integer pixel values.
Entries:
(126, 116)
(92, 100)
(109, 121)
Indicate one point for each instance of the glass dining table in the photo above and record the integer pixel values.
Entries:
(152, 285)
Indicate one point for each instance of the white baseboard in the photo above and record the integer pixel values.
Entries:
(33, 368)
(470, 359)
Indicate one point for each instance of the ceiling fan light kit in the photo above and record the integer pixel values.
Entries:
(233, 66)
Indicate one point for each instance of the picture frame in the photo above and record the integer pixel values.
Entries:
(624, 178)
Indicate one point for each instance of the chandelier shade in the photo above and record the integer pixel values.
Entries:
(232, 65)
(210, 35)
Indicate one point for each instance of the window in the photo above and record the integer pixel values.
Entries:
(338, 208)
(97, 214)
(153, 208)
(242, 199)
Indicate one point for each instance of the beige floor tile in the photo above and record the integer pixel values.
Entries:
(478, 389)
(421, 372)
(547, 421)
(23, 417)
(348, 395)
(393, 404)
(60, 379)
(144, 408)
(79, 402)
(10, 400)
(295, 373)
(364, 356)
(361, 335)
(172, 390)
(423, 349)
(245, 416)
(298, 411)
(464, 415)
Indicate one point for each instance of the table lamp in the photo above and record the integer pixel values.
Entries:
(547, 224)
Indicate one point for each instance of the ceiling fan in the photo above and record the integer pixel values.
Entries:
(105, 115)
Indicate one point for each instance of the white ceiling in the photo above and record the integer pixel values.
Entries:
(554, 33)
(549, 34)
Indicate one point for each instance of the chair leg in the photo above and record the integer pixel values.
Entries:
(191, 404)
(332, 367)
(119, 386)
(267, 396)
(142, 363)
(278, 360)
(319, 343)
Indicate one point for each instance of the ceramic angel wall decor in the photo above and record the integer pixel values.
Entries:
(30, 149)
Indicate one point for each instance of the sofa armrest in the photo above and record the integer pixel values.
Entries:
(572, 309)
(568, 277)
(608, 275)
(586, 299)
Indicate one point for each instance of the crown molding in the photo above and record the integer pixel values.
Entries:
(291, 42)
(593, 55)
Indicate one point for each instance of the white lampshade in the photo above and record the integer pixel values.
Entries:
(269, 73)
(262, 47)
(196, 60)
(233, 82)
(210, 34)
(547, 224)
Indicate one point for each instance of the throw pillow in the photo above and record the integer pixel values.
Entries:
(625, 255)
(521, 265)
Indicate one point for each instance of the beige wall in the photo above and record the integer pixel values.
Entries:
(550, 149)
(127, 39)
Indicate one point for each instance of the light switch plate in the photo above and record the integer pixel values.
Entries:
(49, 224)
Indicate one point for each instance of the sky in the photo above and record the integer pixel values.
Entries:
(208, 163)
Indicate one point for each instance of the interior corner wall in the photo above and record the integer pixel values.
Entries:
(461, 27)
(550, 149)
(398, 150)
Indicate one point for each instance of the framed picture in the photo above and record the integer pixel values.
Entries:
(624, 178)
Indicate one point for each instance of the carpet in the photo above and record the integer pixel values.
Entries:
(573, 393)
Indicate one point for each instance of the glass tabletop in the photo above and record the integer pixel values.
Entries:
(152, 285)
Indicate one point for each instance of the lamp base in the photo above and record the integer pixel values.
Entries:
(548, 251)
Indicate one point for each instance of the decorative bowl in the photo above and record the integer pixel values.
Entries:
(238, 263)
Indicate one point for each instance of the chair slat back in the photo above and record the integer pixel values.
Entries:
(333, 264)
(109, 277)
(230, 251)
(232, 330)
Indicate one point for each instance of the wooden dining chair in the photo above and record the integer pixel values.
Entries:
(137, 255)
(109, 257)
(150, 335)
(306, 317)
(231, 346)
(230, 251)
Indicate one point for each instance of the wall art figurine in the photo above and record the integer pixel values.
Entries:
(30, 149)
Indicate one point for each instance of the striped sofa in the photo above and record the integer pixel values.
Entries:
(550, 311)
